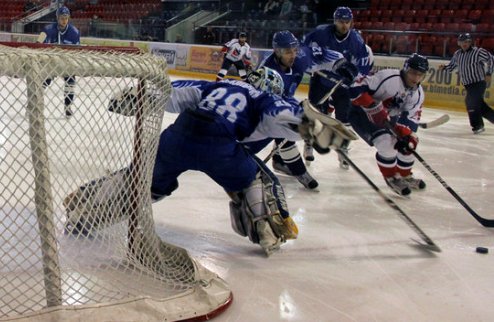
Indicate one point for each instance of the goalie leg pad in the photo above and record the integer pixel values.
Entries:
(98, 203)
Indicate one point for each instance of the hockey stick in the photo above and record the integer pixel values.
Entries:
(483, 221)
(273, 151)
(331, 92)
(439, 121)
(430, 243)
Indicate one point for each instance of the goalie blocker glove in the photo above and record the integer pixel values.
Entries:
(322, 131)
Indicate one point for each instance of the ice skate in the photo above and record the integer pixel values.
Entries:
(413, 183)
(307, 181)
(399, 185)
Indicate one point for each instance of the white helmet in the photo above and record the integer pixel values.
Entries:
(267, 80)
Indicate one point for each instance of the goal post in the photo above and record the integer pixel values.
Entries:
(77, 235)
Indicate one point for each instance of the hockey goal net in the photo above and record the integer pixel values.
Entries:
(77, 236)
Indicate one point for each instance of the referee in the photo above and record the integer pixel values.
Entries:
(475, 66)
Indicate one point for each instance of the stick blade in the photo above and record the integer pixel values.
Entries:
(439, 121)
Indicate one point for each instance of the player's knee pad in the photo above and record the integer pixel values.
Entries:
(384, 144)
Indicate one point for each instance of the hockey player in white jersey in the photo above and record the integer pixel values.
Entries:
(237, 52)
(386, 112)
(215, 117)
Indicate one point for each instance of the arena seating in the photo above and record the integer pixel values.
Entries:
(425, 20)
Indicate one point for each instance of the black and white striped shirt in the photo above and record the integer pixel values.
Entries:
(472, 64)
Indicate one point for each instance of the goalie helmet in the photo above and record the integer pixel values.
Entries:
(343, 13)
(63, 11)
(417, 62)
(284, 39)
(267, 80)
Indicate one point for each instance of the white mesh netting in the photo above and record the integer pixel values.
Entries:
(77, 235)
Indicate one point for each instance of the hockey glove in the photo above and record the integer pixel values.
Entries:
(377, 114)
(407, 139)
(124, 102)
(346, 71)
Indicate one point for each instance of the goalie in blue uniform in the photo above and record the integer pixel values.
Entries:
(215, 118)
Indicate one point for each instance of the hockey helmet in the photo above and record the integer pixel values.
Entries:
(465, 37)
(343, 13)
(267, 80)
(284, 39)
(417, 62)
(242, 35)
(63, 11)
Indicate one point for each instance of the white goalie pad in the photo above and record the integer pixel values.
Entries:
(97, 204)
(258, 203)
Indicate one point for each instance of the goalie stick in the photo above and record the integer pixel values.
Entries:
(439, 121)
(430, 243)
(483, 221)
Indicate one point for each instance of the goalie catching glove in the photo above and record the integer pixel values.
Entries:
(323, 131)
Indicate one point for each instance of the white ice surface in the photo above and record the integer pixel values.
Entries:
(355, 259)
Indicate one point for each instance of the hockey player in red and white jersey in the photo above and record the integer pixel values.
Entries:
(237, 52)
(386, 109)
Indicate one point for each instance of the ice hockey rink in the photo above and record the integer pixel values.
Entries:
(355, 258)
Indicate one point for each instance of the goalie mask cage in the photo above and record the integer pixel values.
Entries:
(77, 236)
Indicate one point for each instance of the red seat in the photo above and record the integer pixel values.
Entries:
(488, 43)
(387, 15)
(461, 14)
(409, 16)
(398, 15)
(487, 16)
(434, 15)
(474, 16)
(466, 27)
(426, 26)
(442, 4)
(377, 25)
(483, 27)
(414, 26)
(447, 15)
(421, 15)
(453, 26)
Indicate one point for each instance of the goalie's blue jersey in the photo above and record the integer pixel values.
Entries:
(309, 59)
(246, 113)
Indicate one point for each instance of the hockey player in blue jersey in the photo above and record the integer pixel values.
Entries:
(341, 37)
(62, 33)
(292, 61)
(215, 117)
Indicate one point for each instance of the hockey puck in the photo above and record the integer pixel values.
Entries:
(482, 250)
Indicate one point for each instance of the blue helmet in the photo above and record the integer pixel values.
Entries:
(284, 39)
(63, 11)
(343, 13)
